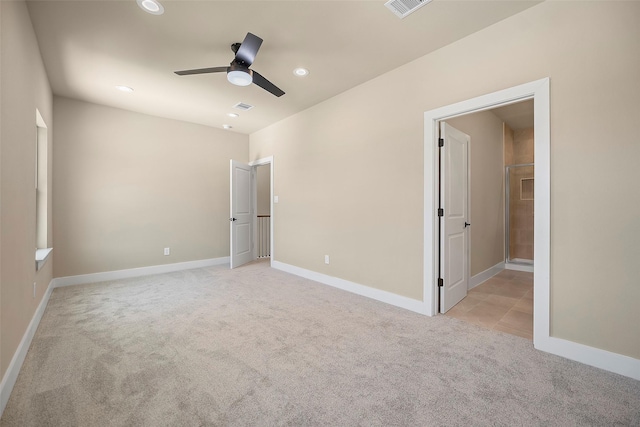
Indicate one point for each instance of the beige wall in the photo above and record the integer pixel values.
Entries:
(25, 88)
(128, 185)
(487, 188)
(350, 170)
(2, 368)
(264, 189)
(348, 189)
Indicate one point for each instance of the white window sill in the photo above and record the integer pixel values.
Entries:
(41, 257)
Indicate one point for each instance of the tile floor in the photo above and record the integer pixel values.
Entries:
(503, 303)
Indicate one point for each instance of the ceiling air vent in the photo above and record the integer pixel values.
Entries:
(403, 8)
(242, 106)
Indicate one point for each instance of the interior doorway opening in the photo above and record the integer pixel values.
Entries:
(245, 243)
(539, 92)
(502, 191)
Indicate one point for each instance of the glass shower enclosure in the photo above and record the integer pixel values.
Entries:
(519, 213)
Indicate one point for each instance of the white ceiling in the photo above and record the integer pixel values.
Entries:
(89, 47)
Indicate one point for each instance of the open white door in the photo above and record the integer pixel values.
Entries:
(454, 200)
(240, 219)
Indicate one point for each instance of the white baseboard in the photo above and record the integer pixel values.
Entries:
(485, 275)
(592, 356)
(518, 267)
(11, 375)
(603, 359)
(356, 288)
(136, 272)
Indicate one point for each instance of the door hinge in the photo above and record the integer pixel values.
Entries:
(440, 212)
(440, 282)
(441, 142)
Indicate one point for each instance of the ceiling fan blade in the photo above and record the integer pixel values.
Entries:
(249, 49)
(202, 71)
(266, 84)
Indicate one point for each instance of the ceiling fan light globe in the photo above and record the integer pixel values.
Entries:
(151, 6)
(239, 78)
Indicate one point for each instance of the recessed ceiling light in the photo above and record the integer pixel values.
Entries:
(227, 126)
(234, 115)
(151, 6)
(124, 89)
(301, 72)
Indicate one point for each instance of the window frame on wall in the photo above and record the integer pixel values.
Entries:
(42, 249)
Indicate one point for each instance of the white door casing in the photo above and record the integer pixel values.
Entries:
(241, 214)
(454, 224)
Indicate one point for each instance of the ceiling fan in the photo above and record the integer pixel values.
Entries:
(238, 71)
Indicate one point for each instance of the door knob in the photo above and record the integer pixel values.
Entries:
(232, 219)
(466, 224)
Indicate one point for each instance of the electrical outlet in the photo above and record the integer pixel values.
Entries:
(167, 251)
(34, 289)
(326, 259)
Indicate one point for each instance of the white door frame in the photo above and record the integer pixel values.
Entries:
(254, 198)
(538, 91)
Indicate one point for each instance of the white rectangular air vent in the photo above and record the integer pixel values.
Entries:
(402, 8)
(242, 106)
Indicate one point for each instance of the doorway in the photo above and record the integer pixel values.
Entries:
(503, 228)
(539, 92)
(247, 209)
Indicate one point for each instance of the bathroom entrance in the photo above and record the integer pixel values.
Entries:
(500, 284)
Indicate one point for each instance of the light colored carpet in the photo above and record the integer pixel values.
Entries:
(258, 347)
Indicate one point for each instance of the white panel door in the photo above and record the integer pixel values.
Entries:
(454, 226)
(241, 219)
